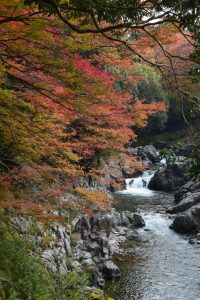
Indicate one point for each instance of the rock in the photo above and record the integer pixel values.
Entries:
(170, 178)
(101, 235)
(148, 153)
(188, 221)
(101, 281)
(189, 201)
(110, 270)
(89, 264)
(192, 242)
(131, 235)
(183, 224)
(198, 236)
(190, 186)
(76, 265)
(137, 221)
(22, 224)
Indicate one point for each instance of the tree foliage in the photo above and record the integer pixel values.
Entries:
(64, 98)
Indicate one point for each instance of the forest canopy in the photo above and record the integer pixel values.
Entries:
(71, 89)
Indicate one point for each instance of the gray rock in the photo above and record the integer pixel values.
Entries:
(101, 281)
(189, 187)
(90, 264)
(76, 265)
(86, 255)
(131, 235)
(148, 153)
(110, 270)
(189, 201)
(48, 255)
(170, 178)
(192, 241)
(187, 221)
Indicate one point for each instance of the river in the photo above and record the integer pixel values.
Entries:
(160, 264)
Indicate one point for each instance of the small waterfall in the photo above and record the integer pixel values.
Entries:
(163, 162)
(139, 185)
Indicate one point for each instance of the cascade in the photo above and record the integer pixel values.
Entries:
(139, 185)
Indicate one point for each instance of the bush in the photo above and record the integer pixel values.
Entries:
(23, 276)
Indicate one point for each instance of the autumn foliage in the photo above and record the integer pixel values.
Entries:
(64, 98)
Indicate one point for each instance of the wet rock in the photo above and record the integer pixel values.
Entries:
(110, 270)
(137, 221)
(188, 221)
(189, 187)
(170, 178)
(183, 224)
(192, 241)
(190, 200)
(131, 235)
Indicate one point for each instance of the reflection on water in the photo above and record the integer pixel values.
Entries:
(162, 264)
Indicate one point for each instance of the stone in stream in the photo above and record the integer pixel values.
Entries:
(189, 187)
(187, 221)
(188, 201)
(192, 242)
(170, 178)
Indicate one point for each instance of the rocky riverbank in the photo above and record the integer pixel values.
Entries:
(175, 177)
(88, 243)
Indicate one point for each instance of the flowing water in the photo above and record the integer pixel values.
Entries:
(160, 264)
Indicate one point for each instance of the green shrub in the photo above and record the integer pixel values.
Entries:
(24, 277)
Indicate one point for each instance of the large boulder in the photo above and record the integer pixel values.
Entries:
(189, 187)
(190, 199)
(188, 221)
(170, 178)
(148, 153)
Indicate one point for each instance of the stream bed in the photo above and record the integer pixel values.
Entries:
(160, 264)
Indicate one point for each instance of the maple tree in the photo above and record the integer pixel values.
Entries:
(63, 100)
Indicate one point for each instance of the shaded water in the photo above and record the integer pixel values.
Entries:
(161, 264)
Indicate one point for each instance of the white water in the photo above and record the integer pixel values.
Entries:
(139, 186)
(161, 265)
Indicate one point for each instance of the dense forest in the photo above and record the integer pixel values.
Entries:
(80, 81)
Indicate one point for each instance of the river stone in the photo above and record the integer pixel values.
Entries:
(170, 178)
(188, 221)
(189, 187)
(110, 270)
(190, 200)
(131, 235)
